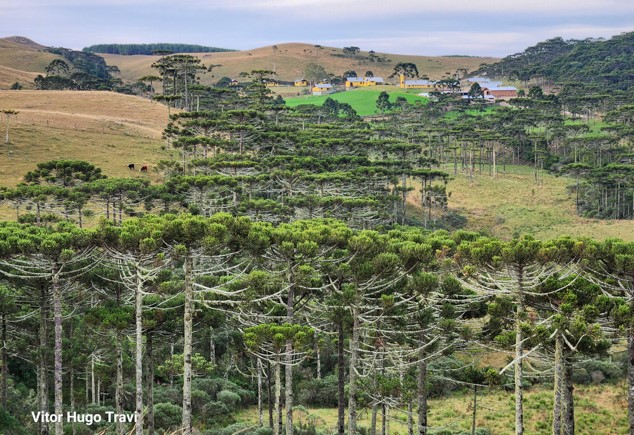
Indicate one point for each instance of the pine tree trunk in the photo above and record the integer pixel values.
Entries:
(119, 384)
(288, 387)
(341, 381)
(375, 411)
(519, 352)
(43, 359)
(93, 388)
(352, 389)
(475, 410)
(318, 358)
(260, 407)
(212, 346)
(138, 313)
(384, 420)
(277, 426)
(57, 316)
(71, 379)
(630, 379)
(568, 403)
(149, 356)
(269, 393)
(410, 418)
(558, 384)
(187, 348)
(5, 367)
(422, 387)
(288, 366)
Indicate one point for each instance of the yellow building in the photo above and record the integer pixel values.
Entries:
(301, 83)
(322, 89)
(415, 84)
(355, 82)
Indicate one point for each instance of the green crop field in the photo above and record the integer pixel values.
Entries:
(362, 100)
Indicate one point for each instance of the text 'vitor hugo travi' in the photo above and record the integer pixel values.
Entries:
(87, 419)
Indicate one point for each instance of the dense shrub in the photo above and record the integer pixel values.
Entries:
(8, 424)
(230, 399)
(167, 394)
(597, 371)
(319, 392)
(213, 409)
(167, 415)
(199, 400)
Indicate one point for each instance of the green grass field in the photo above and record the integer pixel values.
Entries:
(362, 100)
(513, 204)
(598, 410)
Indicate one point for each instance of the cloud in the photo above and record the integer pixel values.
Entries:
(351, 9)
(493, 43)
(494, 27)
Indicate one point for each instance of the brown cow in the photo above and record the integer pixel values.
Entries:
(144, 168)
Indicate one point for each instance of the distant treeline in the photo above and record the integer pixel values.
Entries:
(594, 63)
(130, 49)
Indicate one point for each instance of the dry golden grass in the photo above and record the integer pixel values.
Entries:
(106, 129)
(9, 76)
(21, 59)
(103, 112)
(290, 61)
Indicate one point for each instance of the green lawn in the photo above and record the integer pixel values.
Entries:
(361, 100)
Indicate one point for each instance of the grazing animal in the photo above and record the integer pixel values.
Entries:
(131, 166)
(144, 168)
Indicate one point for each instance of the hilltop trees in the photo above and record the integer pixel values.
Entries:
(408, 69)
(179, 72)
(315, 73)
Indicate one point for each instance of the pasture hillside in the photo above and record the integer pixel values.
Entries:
(21, 60)
(106, 129)
(289, 61)
(512, 204)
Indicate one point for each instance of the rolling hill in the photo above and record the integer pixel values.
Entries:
(21, 60)
(106, 129)
(290, 60)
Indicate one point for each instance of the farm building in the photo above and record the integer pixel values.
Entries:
(301, 82)
(355, 82)
(322, 89)
(500, 92)
(415, 84)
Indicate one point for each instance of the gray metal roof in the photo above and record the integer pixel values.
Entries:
(419, 82)
(500, 88)
(364, 79)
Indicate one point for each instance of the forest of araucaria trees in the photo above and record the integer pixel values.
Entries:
(306, 257)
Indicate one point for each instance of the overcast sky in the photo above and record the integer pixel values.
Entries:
(425, 27)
